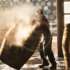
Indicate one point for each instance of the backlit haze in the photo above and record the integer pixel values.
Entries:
(15, 23)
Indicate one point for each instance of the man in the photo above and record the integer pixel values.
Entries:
(66, 43)
(45, 46)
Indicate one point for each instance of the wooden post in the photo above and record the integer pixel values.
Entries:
(60, 25)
